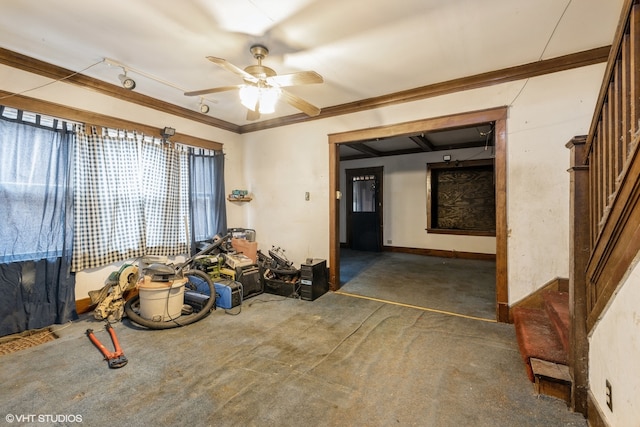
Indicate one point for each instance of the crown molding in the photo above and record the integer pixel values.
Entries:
(505, 75)
(35, 66)
(533, 69)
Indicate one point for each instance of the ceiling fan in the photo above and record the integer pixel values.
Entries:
(263, 87)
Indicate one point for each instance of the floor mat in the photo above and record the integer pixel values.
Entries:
(17, 342)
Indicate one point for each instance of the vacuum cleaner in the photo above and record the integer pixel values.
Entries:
(160, 300)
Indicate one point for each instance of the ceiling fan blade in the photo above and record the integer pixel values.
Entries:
(212, 90)
(300, 104)
(253, 115)
(295, 79)
(230, 67)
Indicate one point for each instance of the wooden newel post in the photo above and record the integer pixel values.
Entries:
(579, 256)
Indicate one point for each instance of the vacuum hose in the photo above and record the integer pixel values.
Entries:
(180, 320)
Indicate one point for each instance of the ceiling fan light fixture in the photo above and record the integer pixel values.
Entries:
(262, 86)
(266, 98)
(249, 96)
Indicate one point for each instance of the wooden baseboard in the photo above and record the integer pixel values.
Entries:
(503, 313)
(534, 300)
(84, 305)
(594, 415)
(441, 253)
(434, 252)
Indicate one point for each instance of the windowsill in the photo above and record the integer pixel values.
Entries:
(461, 232)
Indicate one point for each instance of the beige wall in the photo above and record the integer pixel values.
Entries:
(614, 353)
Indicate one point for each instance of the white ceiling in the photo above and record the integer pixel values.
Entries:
(362, 48)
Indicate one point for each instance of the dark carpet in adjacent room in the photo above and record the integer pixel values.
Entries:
(461, 286)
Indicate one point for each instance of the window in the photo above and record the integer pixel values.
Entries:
(99, 198)
(364, 190)
(461, 198)
(35, 164)
(131, 198)
(208, 213)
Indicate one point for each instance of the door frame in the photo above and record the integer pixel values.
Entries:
(496, 115)
(373, 170)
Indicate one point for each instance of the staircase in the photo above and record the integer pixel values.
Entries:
(543, 340)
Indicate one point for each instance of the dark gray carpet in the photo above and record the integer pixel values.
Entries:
(335, 361)
(462, 286)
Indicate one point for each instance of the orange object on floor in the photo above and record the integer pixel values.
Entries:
(116, 359)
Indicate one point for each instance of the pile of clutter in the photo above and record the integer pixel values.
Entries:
(232, 267)
(228, 269)
(279, 276)
(276, 266)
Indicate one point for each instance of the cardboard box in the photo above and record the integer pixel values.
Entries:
(245, 247)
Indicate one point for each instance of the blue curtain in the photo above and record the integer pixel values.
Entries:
(36, 207)
(206, 189)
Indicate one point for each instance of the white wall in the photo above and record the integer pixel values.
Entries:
(405, 202)
(282, 164)
(549, 112)
(614, 352)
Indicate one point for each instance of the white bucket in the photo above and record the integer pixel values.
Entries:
(161, 301)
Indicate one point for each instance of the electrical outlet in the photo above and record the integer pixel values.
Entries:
(609, 395)
(307, 196)
(389, 242)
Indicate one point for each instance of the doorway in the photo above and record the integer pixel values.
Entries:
(364, 209)
(496, 115)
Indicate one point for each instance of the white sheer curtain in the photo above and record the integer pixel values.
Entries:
(166, 198)
(131, 198)
(36, 286)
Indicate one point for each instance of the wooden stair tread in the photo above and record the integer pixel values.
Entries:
(550, 370)
(537, 338)
(557, 305)
(552, 379)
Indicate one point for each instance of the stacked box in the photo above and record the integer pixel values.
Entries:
(228, 294)
(247, 248)
(249, 276)
(237, 260)
(196, 300)
(313, 279)
(210, 264)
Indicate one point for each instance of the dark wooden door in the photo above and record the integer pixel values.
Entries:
(364, 209)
